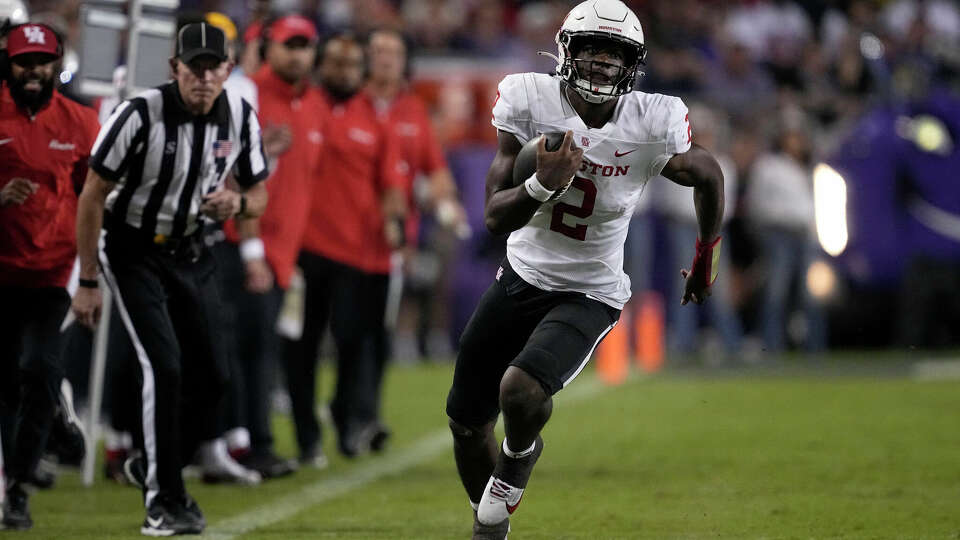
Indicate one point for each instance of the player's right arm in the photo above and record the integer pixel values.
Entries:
(90, 206)
(510, 207)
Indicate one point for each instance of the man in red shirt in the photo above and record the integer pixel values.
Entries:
(404, 115)
(45, 140)
(345, 258)
(258, 260)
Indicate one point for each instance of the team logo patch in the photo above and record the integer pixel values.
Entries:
(34, 34)
(222, 149)
(584, 142)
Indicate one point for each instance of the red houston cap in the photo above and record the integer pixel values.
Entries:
(292, 26)
(32, 38)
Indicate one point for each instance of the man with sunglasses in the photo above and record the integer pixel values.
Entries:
(45, 140)
(561, 286)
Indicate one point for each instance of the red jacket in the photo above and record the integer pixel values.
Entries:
(38, 238)
(290, 185)
(407, 118)
(360, 161)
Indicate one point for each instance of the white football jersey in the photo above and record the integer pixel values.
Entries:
(576, 243)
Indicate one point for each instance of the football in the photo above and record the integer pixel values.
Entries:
(526, 162)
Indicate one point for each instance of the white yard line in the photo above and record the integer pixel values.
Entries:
(936, 370)
(392, 463)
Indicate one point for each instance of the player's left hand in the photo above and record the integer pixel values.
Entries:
(221, 205)
(695, 288)
(702, 272)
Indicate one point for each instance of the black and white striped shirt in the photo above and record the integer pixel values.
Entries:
(165, 160)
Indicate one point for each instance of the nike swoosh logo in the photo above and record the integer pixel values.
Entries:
(512, 507)
(618, 154)
(5, 141)
(154, 522)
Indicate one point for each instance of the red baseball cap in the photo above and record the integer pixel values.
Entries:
(292, 26)
(32, 38)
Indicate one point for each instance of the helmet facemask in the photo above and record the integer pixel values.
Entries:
(597, 81)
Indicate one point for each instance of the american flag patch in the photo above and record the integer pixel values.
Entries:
(222, 149)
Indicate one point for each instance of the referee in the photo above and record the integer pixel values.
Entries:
(158, 168)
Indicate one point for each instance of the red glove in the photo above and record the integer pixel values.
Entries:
(706, 262)
(702, 273)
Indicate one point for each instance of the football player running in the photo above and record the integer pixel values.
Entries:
(561, 287)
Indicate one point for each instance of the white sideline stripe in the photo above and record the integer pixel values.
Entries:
(331, 487)
(936, 370)
(148, 391)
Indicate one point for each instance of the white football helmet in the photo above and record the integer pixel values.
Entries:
(600, 20)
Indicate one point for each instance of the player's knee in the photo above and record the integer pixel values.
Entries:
(520, 392)
(464, 432)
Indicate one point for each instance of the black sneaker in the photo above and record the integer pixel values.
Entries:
(16, 512)
(135, 470)
(315, 458)
(381, 434)
(168, 516)
(268, 464)
(193, 509)
(44, 475)
(67, 438)
(352, 440)
(490, 532)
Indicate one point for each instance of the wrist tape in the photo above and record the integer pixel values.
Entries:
(706, 260)
(537, 190)
(252, 248)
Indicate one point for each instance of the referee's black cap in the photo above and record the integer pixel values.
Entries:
(198, 39)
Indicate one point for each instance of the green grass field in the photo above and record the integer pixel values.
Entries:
(741, 455)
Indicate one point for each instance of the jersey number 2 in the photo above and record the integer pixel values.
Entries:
(585, 210)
